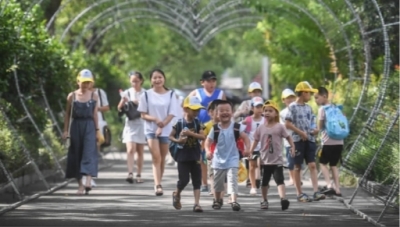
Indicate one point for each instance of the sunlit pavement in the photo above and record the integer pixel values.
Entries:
(114, 202)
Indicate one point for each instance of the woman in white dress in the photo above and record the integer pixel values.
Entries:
(133, 135)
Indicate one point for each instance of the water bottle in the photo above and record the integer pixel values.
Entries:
(183, 137)
(313, 123)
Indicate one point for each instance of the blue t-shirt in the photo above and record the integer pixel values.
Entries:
(205, 100)
(226, 153)
(302, 117)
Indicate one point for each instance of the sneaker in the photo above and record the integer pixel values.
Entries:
(253, 191)
(264, 205)
(303, 198)
(285, 204)
(318, 196)
(204, 189)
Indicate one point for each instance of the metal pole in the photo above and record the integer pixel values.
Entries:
(265, 76)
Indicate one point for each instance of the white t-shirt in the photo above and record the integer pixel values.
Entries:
(159, 106)
(102, 101)
(282, 116)
(254, 126)
(179, 111)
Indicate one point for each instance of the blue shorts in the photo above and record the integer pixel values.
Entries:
(161, 139)
(305, 150)
(204, 156)
(290, 160)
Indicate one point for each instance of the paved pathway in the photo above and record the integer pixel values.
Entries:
(116, 203)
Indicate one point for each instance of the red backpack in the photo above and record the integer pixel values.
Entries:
(236, 132)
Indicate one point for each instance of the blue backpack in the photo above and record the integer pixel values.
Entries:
(336, 124)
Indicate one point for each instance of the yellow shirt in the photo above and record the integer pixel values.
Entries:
(207, 127)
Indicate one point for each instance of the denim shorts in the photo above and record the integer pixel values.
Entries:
(161, 139)
(305, 150)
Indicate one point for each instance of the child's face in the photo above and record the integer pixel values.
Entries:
(192, 113)
(289, 100)
(211, 113)
(224, 113)
(209, 85)
(270, 114)
(306, 96)
(320, 99)
(255, 93)
(258, 110)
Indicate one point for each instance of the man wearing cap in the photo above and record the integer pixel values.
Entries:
(208, 93)
(299, 119)
(254, 90)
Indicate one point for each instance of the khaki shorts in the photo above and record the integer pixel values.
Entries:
(210, 170)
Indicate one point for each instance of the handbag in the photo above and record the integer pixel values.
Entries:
(130, 110)
(107, 136)
(67, 143)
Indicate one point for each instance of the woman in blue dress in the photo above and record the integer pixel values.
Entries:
(82, 127)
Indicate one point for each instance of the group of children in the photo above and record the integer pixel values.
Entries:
(208, 131)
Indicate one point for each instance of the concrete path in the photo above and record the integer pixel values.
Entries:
(114, 202)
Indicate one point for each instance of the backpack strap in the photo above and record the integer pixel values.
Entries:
(236, 131)
(216, 132)
(170, 100)
(147, 101)
(101, 102)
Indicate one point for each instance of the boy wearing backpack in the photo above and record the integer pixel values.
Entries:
(299, 120)
(252, 123)
(207, 128)
(225, 158)
(330, 116)
(185, 136)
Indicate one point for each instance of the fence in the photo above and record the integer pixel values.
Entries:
(374, 117)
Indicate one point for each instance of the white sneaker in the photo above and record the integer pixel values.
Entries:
(253, 191)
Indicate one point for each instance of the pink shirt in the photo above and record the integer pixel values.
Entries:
(271, 143)
(324, 136)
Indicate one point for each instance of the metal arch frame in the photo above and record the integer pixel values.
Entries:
(220, 18)
(367, 69)
(221, 27)
(218, 8)
(161, 16)
(123, 19)
(347, 41)
(53, 17)
(197, 46)
(94, 5)
(367, 54)
(386, 69)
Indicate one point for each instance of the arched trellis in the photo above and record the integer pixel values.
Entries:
(221, 5)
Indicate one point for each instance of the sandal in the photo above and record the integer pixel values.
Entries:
(129, 179)
(159, 190)
(139, 179)
(216, 205)
(197, 208)
(235, 206)
(176, 201)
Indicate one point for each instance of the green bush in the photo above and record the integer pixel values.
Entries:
(27, 49)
